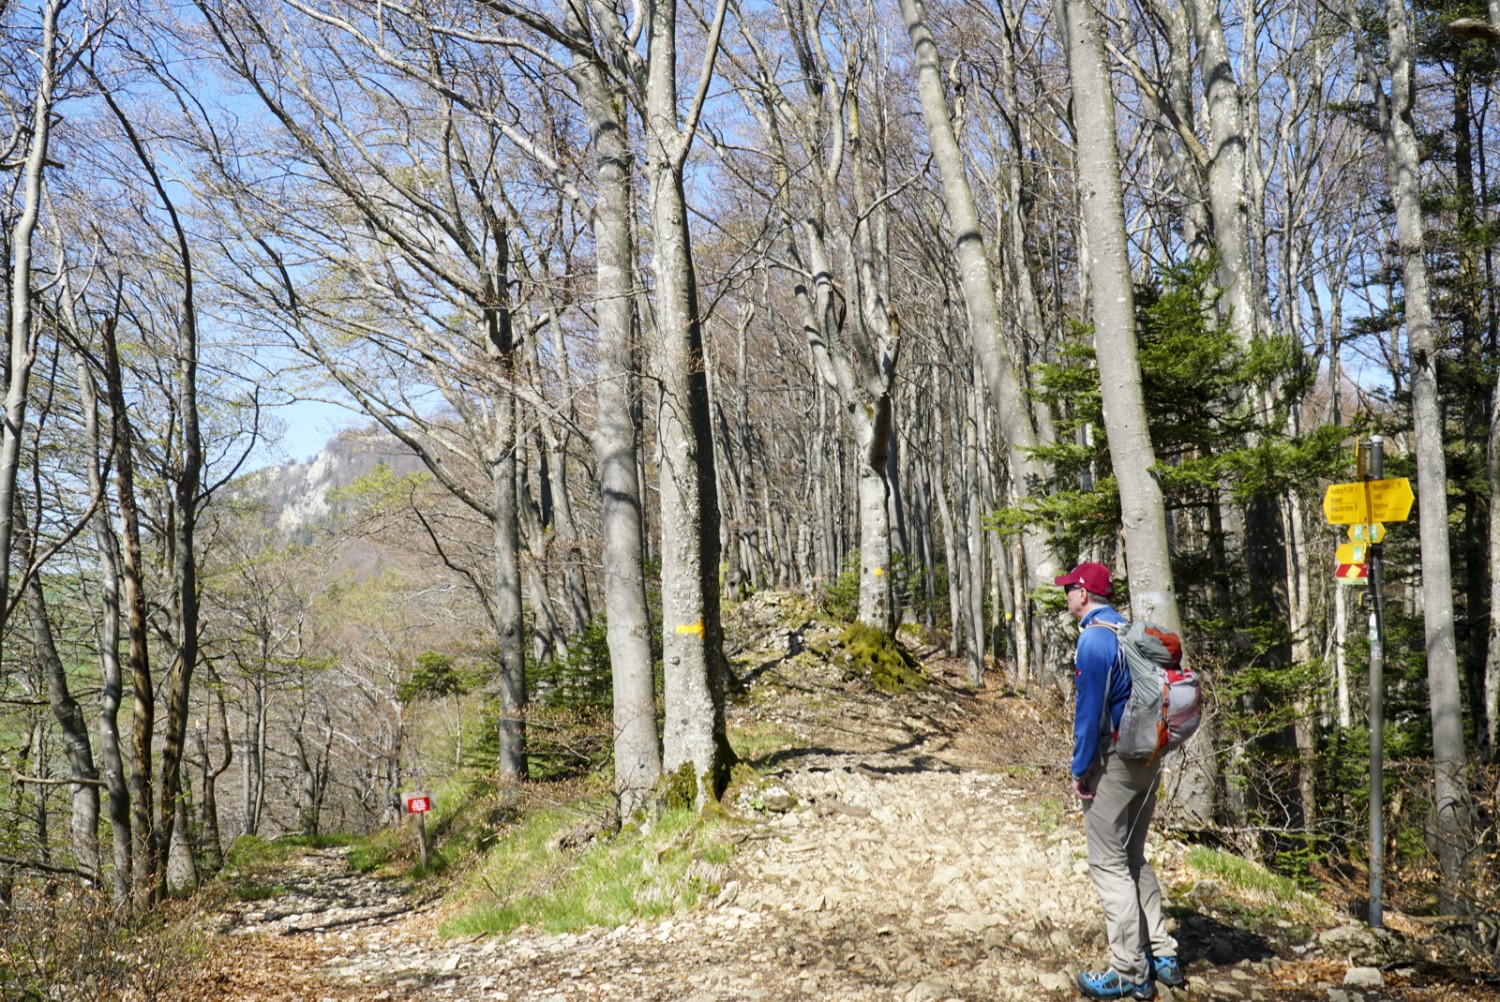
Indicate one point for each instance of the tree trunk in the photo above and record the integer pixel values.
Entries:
(75, 735)
(637, 747)
(1226, 169)
(1142, 511)
(504, 513)
(108, 636)
(694, 736)
(143, 715)
(20, 337)
(1403, 172)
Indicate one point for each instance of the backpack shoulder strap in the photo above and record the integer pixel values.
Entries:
(1118, 629)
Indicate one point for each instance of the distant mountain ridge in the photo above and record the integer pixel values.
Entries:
(296, 494)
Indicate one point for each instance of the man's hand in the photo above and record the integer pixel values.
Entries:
(1081, 787)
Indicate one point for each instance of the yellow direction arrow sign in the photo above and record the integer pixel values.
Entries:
(1351, 553)
(1345, 503)
(1390, 500)
(1366, 532)
(1368, 501)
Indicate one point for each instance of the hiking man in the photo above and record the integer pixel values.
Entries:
(1119, 796)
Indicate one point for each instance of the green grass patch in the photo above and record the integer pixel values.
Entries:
(1252, 891)
(530, 878)
(251, 852)
(756, 740)
(257, 892)
(1048, 813)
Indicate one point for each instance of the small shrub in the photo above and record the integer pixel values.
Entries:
(841, 596)
(75, 944)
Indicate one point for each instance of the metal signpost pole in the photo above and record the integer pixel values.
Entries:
(1377, 700)
(422, 838)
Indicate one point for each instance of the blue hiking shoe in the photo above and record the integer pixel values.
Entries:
(1167, 971)
(1109, 985)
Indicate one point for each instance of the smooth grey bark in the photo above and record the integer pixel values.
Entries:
(974, 540)
(182, 865)
(504, 515)
(253, 771)
(835, 243)
(863, 376)
(977, 284)
(1227, 169)
(1142, 510)
(213, 845)
(110, 697)
(1101, 196)
(616, 438)
(20, 333)
(694, 736)
(1444, 689)
(132, 574)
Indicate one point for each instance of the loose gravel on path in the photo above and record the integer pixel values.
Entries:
(932, 854)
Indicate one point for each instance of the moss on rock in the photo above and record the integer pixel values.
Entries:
(881, 659)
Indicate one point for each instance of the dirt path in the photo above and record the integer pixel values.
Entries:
(932, 855)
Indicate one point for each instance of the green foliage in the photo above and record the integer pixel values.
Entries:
(435, 677)
(250, 855)
(841, 596)
(559, 875)
(257, 892)
(380, 490)
(1199, 382)
(580, 679)
(871, 654)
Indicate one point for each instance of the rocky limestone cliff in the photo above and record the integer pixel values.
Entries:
(296, 495)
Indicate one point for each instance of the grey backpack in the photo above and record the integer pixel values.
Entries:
(1166, 700)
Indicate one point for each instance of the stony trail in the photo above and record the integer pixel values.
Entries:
(926, 849)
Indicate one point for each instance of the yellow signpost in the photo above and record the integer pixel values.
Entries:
(1390, 500)
(1366, 532)
(1345, 503)
(1350, 553)
(1368, 501)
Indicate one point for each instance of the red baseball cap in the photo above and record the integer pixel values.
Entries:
(1094, 577)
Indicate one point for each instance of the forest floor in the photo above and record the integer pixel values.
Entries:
(929, 850)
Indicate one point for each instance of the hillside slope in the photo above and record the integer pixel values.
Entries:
(916, 847)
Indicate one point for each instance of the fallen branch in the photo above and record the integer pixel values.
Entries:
(31, 864)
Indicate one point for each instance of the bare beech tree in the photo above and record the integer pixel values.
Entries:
(825, 123)
(1395, 110)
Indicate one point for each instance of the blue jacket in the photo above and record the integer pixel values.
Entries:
(1098, 649)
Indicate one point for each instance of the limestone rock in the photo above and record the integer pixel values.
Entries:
(1358, 945)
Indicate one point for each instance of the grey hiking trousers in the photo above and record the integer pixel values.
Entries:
(1115, 822)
